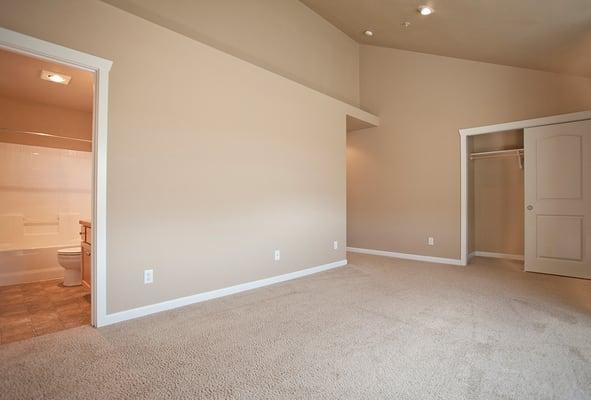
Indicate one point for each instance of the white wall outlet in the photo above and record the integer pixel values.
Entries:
(335, 245)
(148, 276)
(277, 255)
(430, 241)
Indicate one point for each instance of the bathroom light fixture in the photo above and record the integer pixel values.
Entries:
(425, 10)
(368, 33)
(55, 77)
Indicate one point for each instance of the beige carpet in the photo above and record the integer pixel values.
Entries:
(378, 328)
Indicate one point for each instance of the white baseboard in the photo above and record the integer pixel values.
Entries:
(214, 294)
(518, 257)
(406, 256)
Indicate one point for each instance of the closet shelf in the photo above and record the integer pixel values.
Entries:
(499, 153)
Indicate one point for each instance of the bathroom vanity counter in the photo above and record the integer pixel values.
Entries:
(86, 245)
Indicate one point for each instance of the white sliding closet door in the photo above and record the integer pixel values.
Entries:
(558, 199)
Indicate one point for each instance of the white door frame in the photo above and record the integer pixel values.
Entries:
(464, 159)
(17, 42)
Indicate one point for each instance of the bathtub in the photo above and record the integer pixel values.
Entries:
(30, 265)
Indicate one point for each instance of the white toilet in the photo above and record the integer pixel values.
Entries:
(70, 259)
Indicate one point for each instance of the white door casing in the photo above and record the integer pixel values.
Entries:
(558, 199)
(37, 48)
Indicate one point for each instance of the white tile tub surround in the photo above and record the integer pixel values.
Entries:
(43, 194)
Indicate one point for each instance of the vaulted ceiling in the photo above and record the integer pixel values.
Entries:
(550, 35)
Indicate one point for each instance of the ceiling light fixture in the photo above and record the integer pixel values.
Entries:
(368, 33)
(55, 77)
(425, 10)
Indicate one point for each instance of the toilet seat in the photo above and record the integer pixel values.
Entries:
(70, 251)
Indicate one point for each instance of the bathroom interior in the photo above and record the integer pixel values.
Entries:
(46, 123)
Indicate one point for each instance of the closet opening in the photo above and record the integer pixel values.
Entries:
(542, 190)
(496, 196)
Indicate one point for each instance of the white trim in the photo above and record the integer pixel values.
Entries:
(527, 123)
(28, 45)
(464, 200)
(214, 294)
(99, 211)
(406, 256)
(490, 254)
(466, 132)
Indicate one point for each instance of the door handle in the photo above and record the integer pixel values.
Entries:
(530, 207)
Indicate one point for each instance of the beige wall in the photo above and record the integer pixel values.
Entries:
(283, 36)
(404, 176)
(212, 162)
(497, 192)
(24, 115)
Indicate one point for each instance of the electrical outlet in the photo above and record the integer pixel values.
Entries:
(277, 255)
(148, 276)
(431, 241)
(335, 245)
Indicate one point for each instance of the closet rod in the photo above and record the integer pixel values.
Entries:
(43, 134)
(497, 153)
(500, 153)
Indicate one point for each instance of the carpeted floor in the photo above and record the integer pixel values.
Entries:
(377, 328)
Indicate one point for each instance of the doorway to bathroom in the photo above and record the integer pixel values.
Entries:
(46, 125)
(53, 143)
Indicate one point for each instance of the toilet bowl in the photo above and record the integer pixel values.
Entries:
(70, 259)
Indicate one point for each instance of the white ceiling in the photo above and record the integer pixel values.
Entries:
(550, 35)
(20, 79)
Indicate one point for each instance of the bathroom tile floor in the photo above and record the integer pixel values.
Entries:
(39, 308)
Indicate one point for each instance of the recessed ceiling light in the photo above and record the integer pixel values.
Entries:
(425, 10)
(55, 77)
(368, 33)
